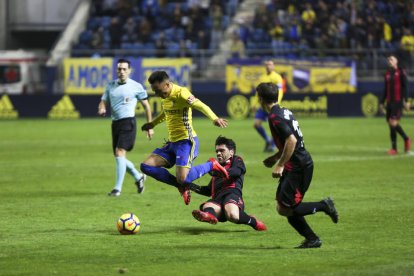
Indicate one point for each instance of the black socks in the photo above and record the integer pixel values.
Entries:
(309, 208)
(302, 227)
(246, 219)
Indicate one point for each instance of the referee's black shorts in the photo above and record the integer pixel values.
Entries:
(123, 134)
(293, 186)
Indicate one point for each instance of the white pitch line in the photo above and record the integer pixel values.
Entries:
(347, 158)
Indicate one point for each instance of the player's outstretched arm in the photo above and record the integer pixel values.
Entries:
(220, 122)
(148, 115)
(150, 125)
(203, 108)
(147, 126)
(201, 190)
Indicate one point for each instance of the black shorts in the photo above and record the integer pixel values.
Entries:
(394, 111)
(293, 186)
(123, 134)
(226, 198)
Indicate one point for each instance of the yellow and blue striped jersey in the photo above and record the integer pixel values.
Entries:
(177, 112)
(275, 78)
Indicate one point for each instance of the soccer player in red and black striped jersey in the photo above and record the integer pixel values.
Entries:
(396, 97)
(293, 165)
(226, 203)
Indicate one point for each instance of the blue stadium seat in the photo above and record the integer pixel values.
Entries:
(148, 49)
(127, 45)
(172, 49)
(225, 21)
(85, 37)
(106, 21)
(93, 23)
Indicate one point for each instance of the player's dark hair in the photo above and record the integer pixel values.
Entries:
(123, 60)
(230, 144)
(268, 91)
(158, 76)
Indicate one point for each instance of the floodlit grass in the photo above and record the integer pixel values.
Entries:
(57, 219)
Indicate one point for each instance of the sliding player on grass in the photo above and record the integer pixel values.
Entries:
(226, 203)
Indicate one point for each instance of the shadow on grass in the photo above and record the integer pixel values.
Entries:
(179, 230)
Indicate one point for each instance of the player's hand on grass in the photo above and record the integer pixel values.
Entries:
(220, 122)
(147, 126)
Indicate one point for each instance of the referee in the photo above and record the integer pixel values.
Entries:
(122, 96)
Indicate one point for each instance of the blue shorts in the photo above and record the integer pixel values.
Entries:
(261, 114)
(181, 153)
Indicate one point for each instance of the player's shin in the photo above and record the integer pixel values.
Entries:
(308, 208)
(197, 172)
(301, 226)
(160, 174)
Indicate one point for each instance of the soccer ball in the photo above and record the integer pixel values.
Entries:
(128, 224)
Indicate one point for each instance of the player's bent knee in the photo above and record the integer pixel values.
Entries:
(284, 211)
(181, 180)
(232, 216)
(145, 168)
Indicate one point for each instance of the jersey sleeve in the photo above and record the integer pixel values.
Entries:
(281, 126)
(277, 79)
(205, 190)
(187, 96)
(159, 119)
(105, 96)
(141, 93)
(238, 168)
(197, 104)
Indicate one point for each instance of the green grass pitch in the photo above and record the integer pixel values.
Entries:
(56, 219)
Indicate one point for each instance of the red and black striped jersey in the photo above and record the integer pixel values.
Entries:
(218, 185)
(395, 86)
(282, 124)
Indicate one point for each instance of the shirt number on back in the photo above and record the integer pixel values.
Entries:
(295, 125)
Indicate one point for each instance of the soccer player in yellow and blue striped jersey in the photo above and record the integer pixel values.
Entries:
(182, 147)
(261, 115)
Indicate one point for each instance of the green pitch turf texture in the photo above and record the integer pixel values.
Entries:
(56, 217)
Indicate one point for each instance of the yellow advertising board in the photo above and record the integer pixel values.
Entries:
(86, 75)
(179, 69)
(302, 76)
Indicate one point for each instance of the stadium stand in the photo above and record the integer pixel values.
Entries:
(147, 26)
(275, 28)
(327, 24)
